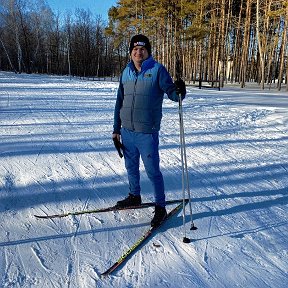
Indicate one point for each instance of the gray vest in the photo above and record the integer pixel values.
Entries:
(142, 104)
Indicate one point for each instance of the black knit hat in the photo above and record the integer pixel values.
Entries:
(140, 40)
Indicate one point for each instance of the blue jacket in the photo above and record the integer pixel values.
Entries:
(140, 97)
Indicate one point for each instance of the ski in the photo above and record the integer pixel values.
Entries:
(100, 210)
(143, 238)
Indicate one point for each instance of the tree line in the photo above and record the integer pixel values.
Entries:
(217, 41)
(33, 39)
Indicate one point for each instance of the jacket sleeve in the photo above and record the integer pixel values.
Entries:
(166, 84)
(118, 105)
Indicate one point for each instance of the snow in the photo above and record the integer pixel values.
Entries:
(56, 155)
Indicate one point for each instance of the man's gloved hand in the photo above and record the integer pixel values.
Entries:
(180, 88)
(117, 143)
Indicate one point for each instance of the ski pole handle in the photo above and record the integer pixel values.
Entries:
(118, 145)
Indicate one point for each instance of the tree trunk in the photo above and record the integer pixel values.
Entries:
(244, 59)
(283, 52)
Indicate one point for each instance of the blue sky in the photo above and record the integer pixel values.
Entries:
(97, 7)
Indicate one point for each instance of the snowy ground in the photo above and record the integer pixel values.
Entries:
(56, 155)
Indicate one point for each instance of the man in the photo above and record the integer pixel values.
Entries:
(137, 118)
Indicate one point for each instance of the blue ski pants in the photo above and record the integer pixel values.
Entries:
(146, 145)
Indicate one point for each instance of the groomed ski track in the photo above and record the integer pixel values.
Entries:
(57, 155)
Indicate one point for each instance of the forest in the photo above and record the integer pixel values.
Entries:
(217, 41)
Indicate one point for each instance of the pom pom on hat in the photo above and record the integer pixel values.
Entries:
(140, 40)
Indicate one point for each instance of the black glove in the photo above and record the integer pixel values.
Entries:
(180, 88)
(118, 145)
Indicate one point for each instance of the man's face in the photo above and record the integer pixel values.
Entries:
(139, 54)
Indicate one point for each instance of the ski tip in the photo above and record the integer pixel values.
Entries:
(39, 217)
(47, 216)
(106, 273)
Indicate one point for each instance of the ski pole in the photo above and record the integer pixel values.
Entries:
(185, 175)
(185, 239)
